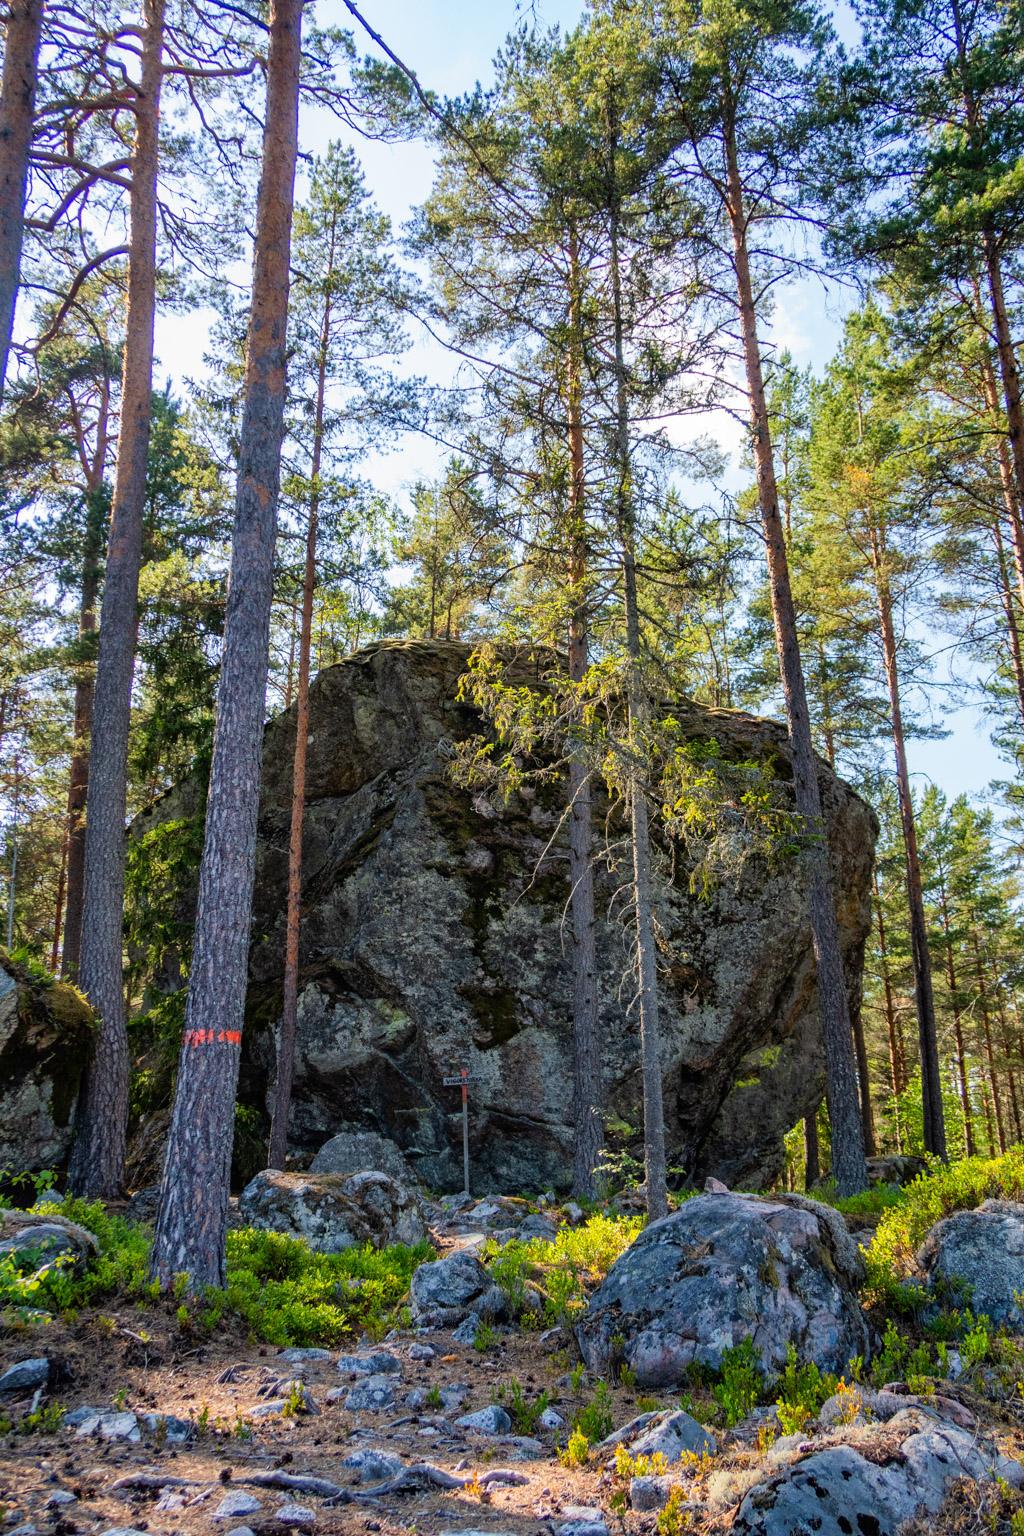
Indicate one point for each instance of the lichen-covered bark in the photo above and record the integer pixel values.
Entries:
(17, 101)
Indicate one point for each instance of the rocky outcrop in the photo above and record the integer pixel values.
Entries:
(433, 936)
(333, 1211)
(985, 1248)
(779, 1270)
(46, 1035)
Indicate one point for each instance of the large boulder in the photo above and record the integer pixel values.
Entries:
(45, 1239)
(433, 937)
(779, 1270)
(984, 1247)
(355, 1151)
(333, 1211)
(444, 1291)
(46, 1037)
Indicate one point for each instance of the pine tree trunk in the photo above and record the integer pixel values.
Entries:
(987, 1036)
(848, 1160)
(812, 1155)
(958, 1033)
(290, 1008)
(928, 1041)
(1006, 474)
(986, 1106)
(1011, 1076)
(97, 1154)
(78, 787)
(17, 110)
(1012, 631)
(192, 1220)
(896, 1062)
(588, 1130)
(646, 942)
(866, 1115)
(58, 906)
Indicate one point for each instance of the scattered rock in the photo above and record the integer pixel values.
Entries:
(467, 1330)
(25, 1376)
(895, 1168)
(443, 1291)
(380, 1363)
(241, 1530)
(293, 1356)
(647, 1493)
(333, 1211)
(986, 1248)
(537, 1226)
(373, 1392)
(415, 1400)
(360, 1151)
(454, 1394)
(235, 1503)
(550, 1419)
(373, 1464)
(422, 1352)
(672, 1435)
(779, 1269)
(60, 1499)
(491, 1420)
(176, 1431)
(591, 1527)
(45, 1240)
(296, 1514)
(111, 1426)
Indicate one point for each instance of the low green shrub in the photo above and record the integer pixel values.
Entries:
(740, 1381)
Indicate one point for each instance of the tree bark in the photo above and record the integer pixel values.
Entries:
(1011, 1076)
(78, 788)
(646, 941)
(897, 1060)
(192, 1219)
(1009, 613)
(812, 1155)
(97, 1155)
(931, 1080)
(958, 1033)
(290, 1008)
(848, 1160)
(588, 1131)
(17, 109)
(987, 1036)
(866, 1115)
(58, 906)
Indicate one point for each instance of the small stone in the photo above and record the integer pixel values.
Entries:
(241, 1530)
(573, 1214)
(25, 1376)
(467, 1331)
(553, 1338)
(296, 1514)
(415, 1400)
(112, 1426)
(583, 1528)
(380, 1363)
(491, 1420)
(537, 1226)
(61, 1497)
(176, 1431)
(272, 1408)
(236, 1503)
(422, 1352)
(111, 1530)
(454, 1394)
(295, 1355)
(78, 1416)
(715, 1187)
(373, 1393)
(582, 1512)
(647, 1493)
(549, 1419)
(373, 1464)
(334, 1394)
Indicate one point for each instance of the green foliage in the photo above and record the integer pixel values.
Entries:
(576, 1452)
(524, 1413)
(595, 1420)
(486, 1336)
(740, 1382)
(46, 1420)
(119, 1269)
(802, 1390)
(673, 1519)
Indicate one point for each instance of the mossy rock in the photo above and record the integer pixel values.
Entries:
(47, 1031)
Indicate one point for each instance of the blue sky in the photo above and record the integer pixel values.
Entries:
(450, 44)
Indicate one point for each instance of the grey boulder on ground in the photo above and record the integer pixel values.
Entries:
(379, 1363)
(25, 1376)
(445, 1291)
(984, 1247)
(373, 1392)
(373, 1464)
(781, 1270)
(491, 1420)
(357, 1151)
(333, 1211)
(839, 1490)
(673, 1434)
(44, 1238)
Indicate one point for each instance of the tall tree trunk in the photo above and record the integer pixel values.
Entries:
(1013, 634)
(588, 1131)
(897, 1058)
(58, 906)
(866, 1115)
(958, 1033)
(192, 1220)
(848, 1161)
(1006, 473)
(97, 1153)
(646, 942)
(928, 1041)
(85, 687)
(290, 1008)
(17, 111)
(1011, 1076)
(812, 1154)
(986, 1106)
(987, 1036)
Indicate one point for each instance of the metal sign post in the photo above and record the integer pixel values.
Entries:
(462, 1081)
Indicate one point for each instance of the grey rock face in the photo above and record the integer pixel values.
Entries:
(428, 939)
(379, 1363)
(175, 1431)
(333, 1211)
(373, 1464)
(374, 1392)
(45, 1238)
(985, 1247)
(357, 1151)
(25, 1376)
(491, 1420)
(46, 1036)
(467, 1330)
(780, 1270)
(444, 1291)
(674, 1434)
(236, 1503)
(647, 1493)
(838, 1490)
